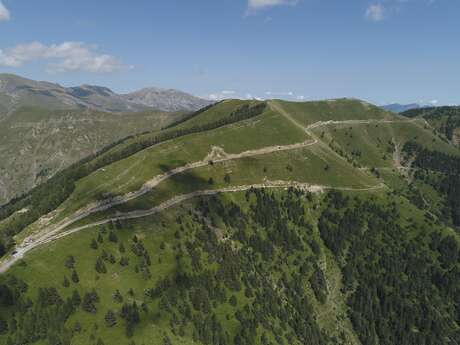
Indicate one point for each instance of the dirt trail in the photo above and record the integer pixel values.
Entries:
(217, 155)
(55, 235)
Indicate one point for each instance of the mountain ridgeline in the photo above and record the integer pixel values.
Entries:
(17, 92)
(399, 108)
(246, 222)
(45, 127)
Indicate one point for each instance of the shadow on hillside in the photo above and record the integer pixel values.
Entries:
(186, 182)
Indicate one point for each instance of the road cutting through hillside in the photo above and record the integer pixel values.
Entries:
(48, 237)
(217, 155)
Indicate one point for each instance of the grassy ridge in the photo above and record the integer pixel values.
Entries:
(265, 130)
(309, 165)
(373, 145)
(49, 195)
(307, 113)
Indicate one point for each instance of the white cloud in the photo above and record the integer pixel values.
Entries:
(257, 4)
(375, 13)
(224, 94)
(280, 94)
(254, 5)
(4, 13)
(64, 57)
(250, 96)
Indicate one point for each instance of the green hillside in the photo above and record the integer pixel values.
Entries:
(214, 266)
(307, 113)
(446, 120)
(249, 222)
(35, 143)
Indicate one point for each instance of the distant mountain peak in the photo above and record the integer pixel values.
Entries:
(18, 91)
(173, 100)
(399, 108)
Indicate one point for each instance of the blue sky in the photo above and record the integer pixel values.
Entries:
(382, 51)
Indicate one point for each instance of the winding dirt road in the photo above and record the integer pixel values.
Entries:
(217, 155)
(53, 236)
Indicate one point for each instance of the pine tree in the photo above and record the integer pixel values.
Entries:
(121, 248)
(99, 238)
(124, 261)
(100, 266)
(3, 326)
(94, 244)
(75, 277)
(110, 319)
(233, 302)
(76, 299)
(65, 282)
(131, 315)
(70, 262)
(147, 260)
(113, 237)
(117, 296)
(88, 302)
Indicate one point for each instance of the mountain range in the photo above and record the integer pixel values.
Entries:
(45, 127)
(399, 108)
(16, 92)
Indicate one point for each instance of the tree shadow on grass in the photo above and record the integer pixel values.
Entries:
(185, 182)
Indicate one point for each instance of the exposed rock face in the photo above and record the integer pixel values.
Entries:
(166, 100)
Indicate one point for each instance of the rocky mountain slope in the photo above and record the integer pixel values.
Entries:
(166, 99)
(45, 127)
(36, 143)
(16, 92)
